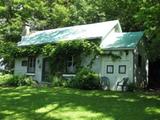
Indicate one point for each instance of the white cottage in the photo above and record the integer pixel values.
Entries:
(132, 62)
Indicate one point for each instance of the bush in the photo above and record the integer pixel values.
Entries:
(57, 81)
(86, 79)
(131, 87)
(4, 79)
(12, 80)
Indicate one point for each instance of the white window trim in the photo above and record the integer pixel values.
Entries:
(70, 64)
(32, 62)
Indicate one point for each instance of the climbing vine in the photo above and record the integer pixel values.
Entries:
(27, 51)
(60, 52)
(113, 56)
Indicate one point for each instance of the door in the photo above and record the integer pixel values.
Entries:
(46, 72)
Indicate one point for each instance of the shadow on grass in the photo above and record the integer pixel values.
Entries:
(63, 103)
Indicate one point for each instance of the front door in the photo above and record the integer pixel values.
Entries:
(46, 70)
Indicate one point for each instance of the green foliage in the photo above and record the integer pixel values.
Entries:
(60, 52)
(27, 51)
(114, 57)
(148, 17)
(47, 14)
(56, 81)
(7, 50)
(86, 79)
(59, 81)
(12, 80)
(131, 87)
(10, 50)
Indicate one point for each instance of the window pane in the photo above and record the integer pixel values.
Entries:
(31, 65)
(24, 63)
(70, 68)
(69, 64)
(122, 69)
(110, 69)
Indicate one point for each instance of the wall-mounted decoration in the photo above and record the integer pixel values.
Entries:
(110, 69)
(122, 69)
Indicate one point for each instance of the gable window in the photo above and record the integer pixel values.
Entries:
(70, 65)
(31, 65)
(110, 69)
(122, 69)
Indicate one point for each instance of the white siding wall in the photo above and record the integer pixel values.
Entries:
(101, 62)
(38, 71)
(126, 59)
(96, 66)
(19, 69)
(22, 70)
(113, 30)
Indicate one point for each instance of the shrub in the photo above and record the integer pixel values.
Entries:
(28, 81)
(86, 79)
(12, 80)
(131, 87)
(57, 81)
(4, 79)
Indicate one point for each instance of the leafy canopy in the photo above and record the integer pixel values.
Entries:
(134, 15)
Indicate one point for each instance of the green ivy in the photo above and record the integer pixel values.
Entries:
(113, 56)
(59, 53)
(28, 51)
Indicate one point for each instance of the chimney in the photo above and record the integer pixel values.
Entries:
(26, 30)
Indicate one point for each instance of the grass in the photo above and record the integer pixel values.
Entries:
(28, 103)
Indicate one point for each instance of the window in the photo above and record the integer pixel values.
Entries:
(122, 69)
(70, 61)
(70, 65)
(31, 65)
(110, 69)
(24, 63)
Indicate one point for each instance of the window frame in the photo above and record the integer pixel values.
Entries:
(24, 63)
(107, 69)
(31, 65)
(70, 63)
(121, 72)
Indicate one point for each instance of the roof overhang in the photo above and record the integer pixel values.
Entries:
(125, 40)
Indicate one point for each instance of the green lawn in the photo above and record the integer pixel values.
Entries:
(27, 103)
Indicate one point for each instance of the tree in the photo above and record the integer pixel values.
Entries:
(137, 15)
(148, 16)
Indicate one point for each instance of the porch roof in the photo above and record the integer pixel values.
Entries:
(89, 31)
(125, 40)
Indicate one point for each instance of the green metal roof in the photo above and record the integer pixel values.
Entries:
(121, 40)
(89, 31)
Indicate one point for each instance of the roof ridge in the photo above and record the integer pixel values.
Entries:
(74, 26)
